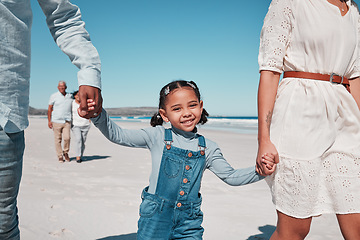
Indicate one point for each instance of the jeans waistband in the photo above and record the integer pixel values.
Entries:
(163, 201)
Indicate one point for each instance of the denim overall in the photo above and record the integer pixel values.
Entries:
(173, 212)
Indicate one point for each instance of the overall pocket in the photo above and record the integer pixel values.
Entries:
(196, 212)
(172, 167)
(148, 208)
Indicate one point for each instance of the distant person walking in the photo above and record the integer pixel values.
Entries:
(59, 120)
(80, 128)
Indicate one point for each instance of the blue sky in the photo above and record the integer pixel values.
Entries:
(144, 44)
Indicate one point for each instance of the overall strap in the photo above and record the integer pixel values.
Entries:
(168, 138)
(202, 144)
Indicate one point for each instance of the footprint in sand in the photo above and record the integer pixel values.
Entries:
(72, 212)
(80, 193)
(60, 233)
(53, 219)
(55, 206)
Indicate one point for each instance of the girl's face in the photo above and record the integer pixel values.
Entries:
(182, 109)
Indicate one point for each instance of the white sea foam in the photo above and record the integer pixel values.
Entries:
(236, 124)
(240, 124)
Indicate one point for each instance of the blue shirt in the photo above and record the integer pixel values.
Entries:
(68, 31)
(61, 107)
(152, 138)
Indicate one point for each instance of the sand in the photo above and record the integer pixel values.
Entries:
(99, 198)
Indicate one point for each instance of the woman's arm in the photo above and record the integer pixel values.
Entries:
(266, 99)
(355, 89)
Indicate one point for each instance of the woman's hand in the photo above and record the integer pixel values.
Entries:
(267, 158)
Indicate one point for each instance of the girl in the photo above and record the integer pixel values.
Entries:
(311, 120)
(171, 203)
(80, 128)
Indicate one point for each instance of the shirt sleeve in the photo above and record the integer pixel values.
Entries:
(275, 35)
(355, 69)
(52, 99)
(125, 137)
(68, 30)
(234, 177)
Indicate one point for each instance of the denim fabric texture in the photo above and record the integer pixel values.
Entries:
(12, 147)
(173, 212)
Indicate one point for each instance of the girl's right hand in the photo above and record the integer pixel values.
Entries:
(90, 106)
(266, 148)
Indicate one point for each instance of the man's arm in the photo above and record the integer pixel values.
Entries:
(68, 30)
(50, 109)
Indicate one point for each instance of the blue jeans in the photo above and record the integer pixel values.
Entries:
(12, 147)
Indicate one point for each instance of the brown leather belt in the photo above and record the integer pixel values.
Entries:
(317, 76)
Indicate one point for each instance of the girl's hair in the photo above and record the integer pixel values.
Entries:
(168, 88)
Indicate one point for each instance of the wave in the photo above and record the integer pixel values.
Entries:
(237, 124)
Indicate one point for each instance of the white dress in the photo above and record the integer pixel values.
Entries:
(316, 124)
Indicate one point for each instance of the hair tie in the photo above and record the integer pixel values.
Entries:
(191, 85)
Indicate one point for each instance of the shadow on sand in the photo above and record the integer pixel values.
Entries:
(130, 236)
(266, 230)
(90, 158)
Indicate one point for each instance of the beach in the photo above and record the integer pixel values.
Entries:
(100, 197)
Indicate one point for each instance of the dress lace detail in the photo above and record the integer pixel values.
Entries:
(275, 35)
(324, 185)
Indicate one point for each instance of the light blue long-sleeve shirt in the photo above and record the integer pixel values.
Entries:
(68, 31)
(152, 138)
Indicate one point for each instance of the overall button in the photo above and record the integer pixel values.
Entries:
(182, 193)
(189, 154)
(202, 152)
(187, 167)
(178, 204)
(185, 180)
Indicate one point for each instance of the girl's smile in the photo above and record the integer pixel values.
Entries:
(182, 109)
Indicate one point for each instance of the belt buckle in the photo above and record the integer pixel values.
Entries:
(332, 77)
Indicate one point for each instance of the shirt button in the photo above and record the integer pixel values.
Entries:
(189, 154)
(185, 180)
(182, 193)
(187, 167)
(178, 204)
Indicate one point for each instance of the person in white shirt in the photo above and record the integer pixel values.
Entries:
(59, 120)
(80, 128)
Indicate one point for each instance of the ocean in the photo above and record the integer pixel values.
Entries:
(246, 125)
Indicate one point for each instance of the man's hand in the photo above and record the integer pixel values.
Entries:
(50, 125)
(88, 92)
